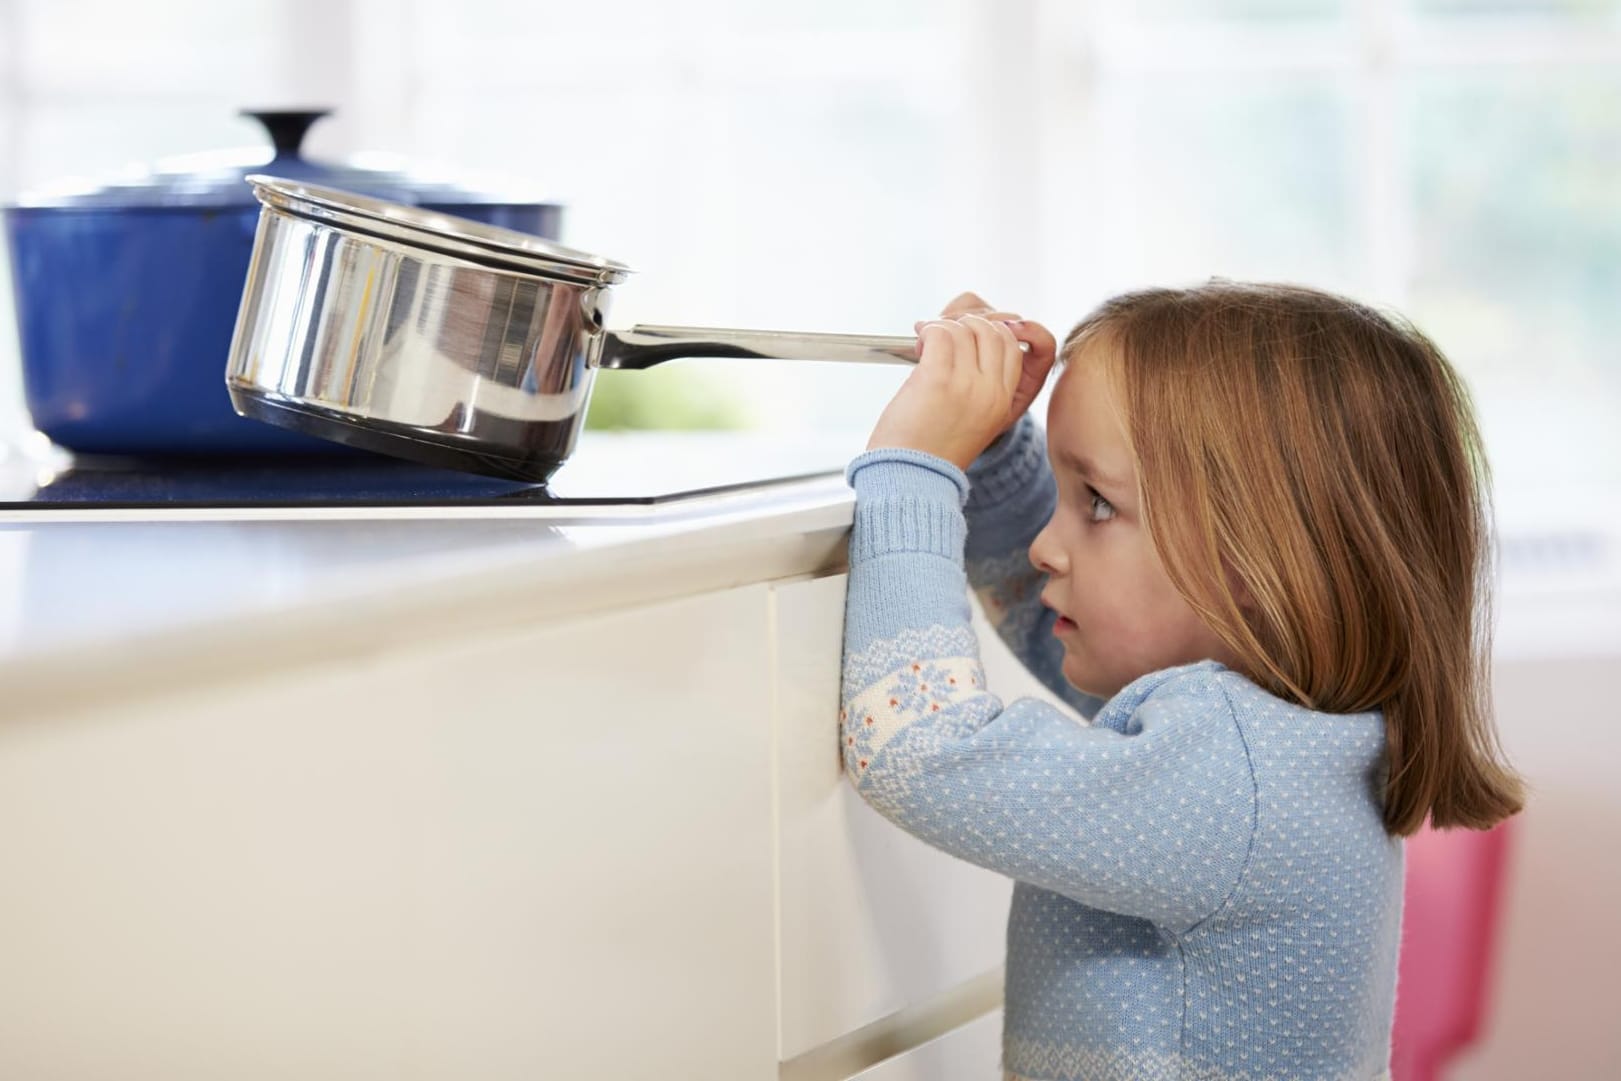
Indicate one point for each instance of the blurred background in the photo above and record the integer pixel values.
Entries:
(849, 165)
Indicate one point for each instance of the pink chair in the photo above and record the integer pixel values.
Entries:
(1453, 895)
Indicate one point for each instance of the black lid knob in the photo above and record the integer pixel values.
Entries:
(287, 126)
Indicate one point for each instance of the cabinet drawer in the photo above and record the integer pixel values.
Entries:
(871, 920)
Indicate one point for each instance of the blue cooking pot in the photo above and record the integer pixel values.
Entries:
(127, 295)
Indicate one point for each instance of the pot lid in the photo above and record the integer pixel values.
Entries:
(424, 227)
(218, 178)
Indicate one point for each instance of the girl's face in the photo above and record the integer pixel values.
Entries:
(1119, 615)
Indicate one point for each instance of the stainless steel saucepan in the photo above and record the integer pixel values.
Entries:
(449, 341)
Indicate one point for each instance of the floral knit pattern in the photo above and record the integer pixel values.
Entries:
(910, 693)
(1203, 888)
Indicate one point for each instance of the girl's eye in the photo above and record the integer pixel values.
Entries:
(1101, 509)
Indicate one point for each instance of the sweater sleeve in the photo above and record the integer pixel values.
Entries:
(1011, 495)
(1148, 813)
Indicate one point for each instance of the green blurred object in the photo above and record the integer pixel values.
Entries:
(666, 399)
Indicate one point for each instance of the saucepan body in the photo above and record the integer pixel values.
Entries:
(448, 341)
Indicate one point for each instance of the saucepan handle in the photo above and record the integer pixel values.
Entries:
(643, 346)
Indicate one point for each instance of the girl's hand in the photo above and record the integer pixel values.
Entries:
(1038, 360)
(961, 395)
(908, 420)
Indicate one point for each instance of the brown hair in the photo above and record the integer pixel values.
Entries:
(1328, 518)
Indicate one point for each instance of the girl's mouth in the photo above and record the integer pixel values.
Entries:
(1064, 625)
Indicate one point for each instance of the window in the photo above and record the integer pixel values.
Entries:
(849, 166)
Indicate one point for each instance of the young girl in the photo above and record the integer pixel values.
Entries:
(1256, 563)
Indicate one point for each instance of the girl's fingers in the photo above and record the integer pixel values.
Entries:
(985, 346)
(935, 347)
(1013, 355)
(947, 347)
(999, 355)
(1043, 346)
(963, 348)
(995, 317)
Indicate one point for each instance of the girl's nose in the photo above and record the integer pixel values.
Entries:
(1047, 554)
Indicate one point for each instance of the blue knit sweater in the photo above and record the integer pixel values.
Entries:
(1203, 889)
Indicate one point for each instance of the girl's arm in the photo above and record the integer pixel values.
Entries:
(1010, 497)
(1147, 812)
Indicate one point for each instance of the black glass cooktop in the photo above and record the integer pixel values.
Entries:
(606, 471)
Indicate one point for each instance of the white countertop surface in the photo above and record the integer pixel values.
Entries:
(90, 608)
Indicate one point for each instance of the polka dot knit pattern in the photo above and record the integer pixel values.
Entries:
(1203, 889)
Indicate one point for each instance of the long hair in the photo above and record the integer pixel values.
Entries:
(1313, 481)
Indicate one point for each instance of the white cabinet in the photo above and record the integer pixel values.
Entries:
(873, 920)
(540, 852)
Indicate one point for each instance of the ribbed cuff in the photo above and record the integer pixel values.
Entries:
(1008, 467)
(906, 501)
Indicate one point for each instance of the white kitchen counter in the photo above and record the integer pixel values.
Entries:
(96, 609)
